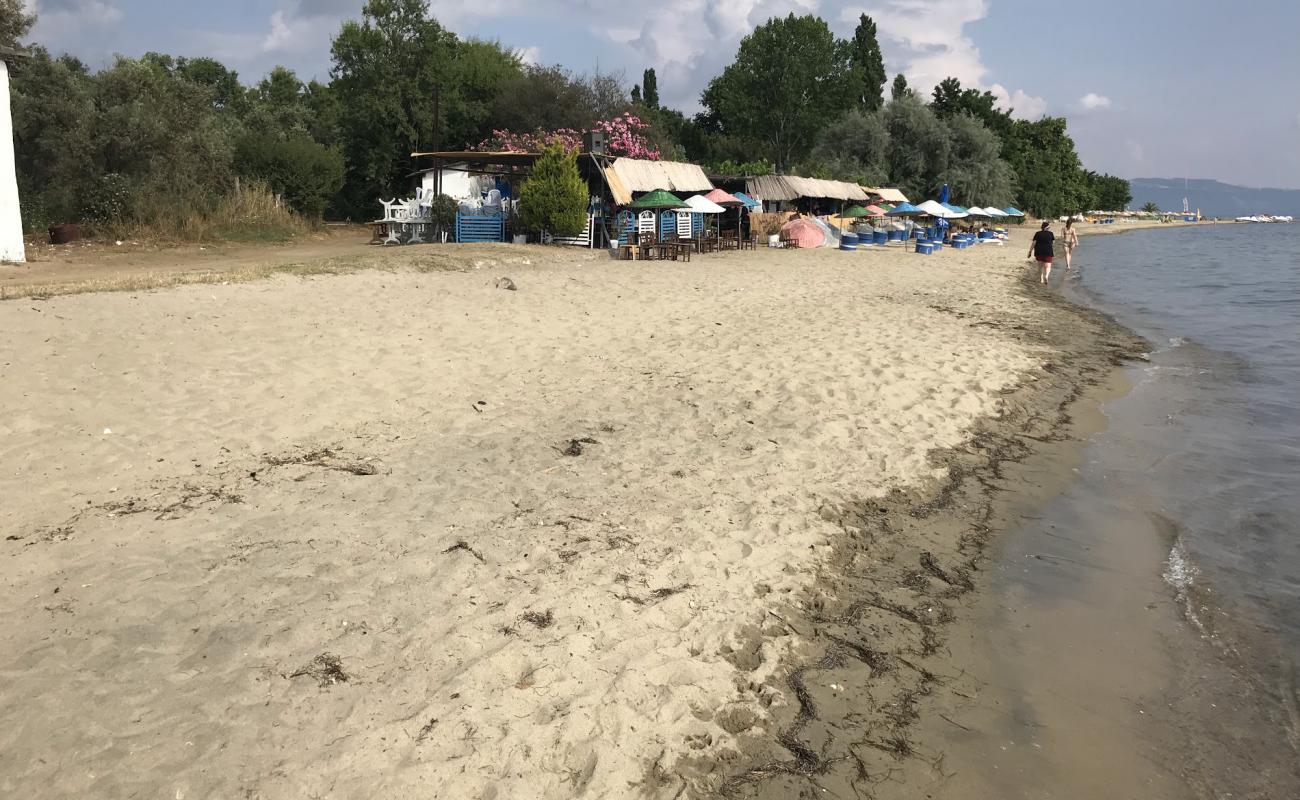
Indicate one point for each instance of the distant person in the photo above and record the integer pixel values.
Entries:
(1042, 252)
(1070, 240)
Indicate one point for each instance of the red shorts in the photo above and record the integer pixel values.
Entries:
(1043, 259)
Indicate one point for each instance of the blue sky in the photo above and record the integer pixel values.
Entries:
(1153, 88)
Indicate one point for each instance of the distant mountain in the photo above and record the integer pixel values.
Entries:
(1215, 199)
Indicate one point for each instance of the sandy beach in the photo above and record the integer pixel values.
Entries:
(363, 534)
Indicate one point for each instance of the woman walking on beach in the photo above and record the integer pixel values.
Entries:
(1070, 239)
(1041, 251)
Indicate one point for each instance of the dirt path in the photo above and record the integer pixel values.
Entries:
(84, 262)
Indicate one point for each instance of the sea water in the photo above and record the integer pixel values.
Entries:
(1221, 306)
(1210, 438)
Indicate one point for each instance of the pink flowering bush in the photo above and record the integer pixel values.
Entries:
(624, 136)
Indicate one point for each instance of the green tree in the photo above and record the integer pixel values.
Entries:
(15, 22)
(554, 198)
(1051, 181)
(53, 114)
(1150, 208)
(636, 95)
(387, 66)
(899, 89)
(919, 147)
(788, 72)
(1112, 193)
(543, 98)
(870, 64)
(977, 174)
(950, 99)
(307, 174)
(855, 148)
(650, 88)
(227, 91)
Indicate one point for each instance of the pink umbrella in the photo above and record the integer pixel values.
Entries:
(876, 211)
(803, 233)
(722, 198)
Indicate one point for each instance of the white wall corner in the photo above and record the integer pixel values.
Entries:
(11, 221)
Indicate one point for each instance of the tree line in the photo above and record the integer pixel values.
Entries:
(163, 134)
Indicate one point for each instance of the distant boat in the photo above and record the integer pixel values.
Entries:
(1267, 218)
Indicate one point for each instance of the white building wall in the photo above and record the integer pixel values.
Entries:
(11, 222)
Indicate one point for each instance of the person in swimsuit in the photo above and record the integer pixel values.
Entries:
(1042, 252)
(1070, 239)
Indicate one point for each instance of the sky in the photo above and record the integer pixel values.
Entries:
(1156, 88)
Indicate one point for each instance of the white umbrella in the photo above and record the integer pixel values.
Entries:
(936, 210)
(976, 211)
(995, 212)
(701, 205)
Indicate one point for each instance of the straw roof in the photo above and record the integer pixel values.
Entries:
(628, 175)
(887, 194)
(792, 187)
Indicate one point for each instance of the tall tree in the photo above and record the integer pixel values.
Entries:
(919, 147)
(976, 171)
(636, 94)
(387, 66)
(870, 64)
(650, 88)
(15, 22)
(855, 148)
(899, 89)
(1051, 181)
(789, 73)
(950, 99)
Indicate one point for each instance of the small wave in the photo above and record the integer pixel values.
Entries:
(1178, 341)
(1180, 573)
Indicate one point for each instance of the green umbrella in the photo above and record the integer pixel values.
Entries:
(658, 199)
(855, 212)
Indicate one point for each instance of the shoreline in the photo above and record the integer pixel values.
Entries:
(916, 559)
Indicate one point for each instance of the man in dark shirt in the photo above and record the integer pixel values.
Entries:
(1041, 251)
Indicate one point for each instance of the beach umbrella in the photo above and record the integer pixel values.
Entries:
(954, 208)
(749, 202)
(702, 205)
(804, 233)
(725, 199)
(1012, 211)
(876, 211)
(903, 210)
(994, 212)
(943, 195)
(936, 210)
(976, 211)
(658, 199)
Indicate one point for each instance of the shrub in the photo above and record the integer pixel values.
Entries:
(108, 201)
(442, 210)
(554, 198)
(306, 173)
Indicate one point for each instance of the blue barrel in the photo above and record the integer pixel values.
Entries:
(881, 237)
(925, 248)
(918, 233)
(849, 241)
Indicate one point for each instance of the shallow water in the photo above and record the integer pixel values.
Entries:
(1147, 617)
(1217, 410)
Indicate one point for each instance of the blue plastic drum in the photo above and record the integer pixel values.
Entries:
(849, 241)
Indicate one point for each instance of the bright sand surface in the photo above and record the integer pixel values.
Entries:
(318, 537)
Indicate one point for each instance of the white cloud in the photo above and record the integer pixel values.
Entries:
(1021, 105)
(529, 55)
(1093, 101)
(54, 18)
